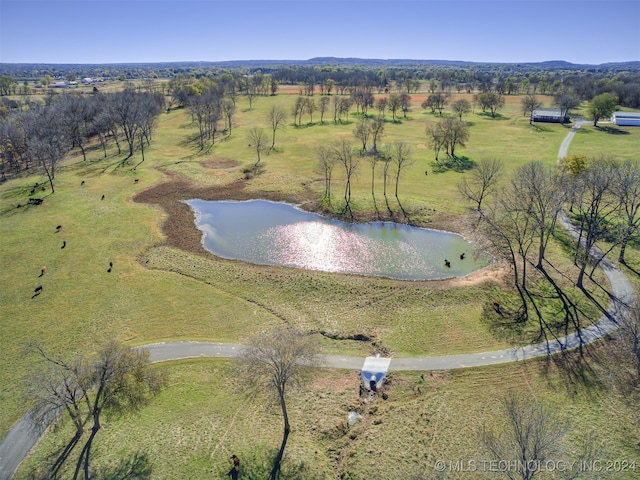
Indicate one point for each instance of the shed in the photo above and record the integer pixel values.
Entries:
(552, 115)
(373, 371)
(630, 119)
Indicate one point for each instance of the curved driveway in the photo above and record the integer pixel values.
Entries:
(19, 441)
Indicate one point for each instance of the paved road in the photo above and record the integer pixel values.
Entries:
(22, 437)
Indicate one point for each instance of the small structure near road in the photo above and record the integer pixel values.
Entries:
(552, 115)
(373, 372)
(628, 119)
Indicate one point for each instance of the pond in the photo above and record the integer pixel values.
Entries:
(271, 233)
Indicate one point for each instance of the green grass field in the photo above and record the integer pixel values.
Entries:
(157, 293)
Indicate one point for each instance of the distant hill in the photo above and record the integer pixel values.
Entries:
(550, 64)
(31, 71)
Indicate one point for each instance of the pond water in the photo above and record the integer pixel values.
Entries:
(271, 233)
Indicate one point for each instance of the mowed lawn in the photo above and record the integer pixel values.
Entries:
(155, 293)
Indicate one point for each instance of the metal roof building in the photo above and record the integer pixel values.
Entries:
(548, 115)
(626, 119)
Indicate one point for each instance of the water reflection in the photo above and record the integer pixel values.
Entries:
(272, 233)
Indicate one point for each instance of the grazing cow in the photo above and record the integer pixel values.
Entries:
(110, 267)
(235, 470)
(38, 290)
(64, 244)
(82, 183)
(447, 263)
(462, 256)
(58, 228)
(136, 180)
(102, 197)
(43, 270)
(33, 190)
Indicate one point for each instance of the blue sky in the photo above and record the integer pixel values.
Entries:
(98, 31)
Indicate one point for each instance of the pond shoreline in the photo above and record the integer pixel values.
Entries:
(180, 230)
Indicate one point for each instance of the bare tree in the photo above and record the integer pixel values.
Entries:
(627, 190)
(436, 138)
(377, 130)
(461, 107)
(362, 132)
(323, 106)
(624, 352)
(387, 156)
(75, 116)
(277, 119)
(47, 142)
(258, 141)
(311, 108)
(393, 104)
(595, 205)
(326, 162)
(343, 153)
(539, 193)
(228, 109)
(401, 157)
(405, 104)
(529, 104)
(274, 363)
(117, 380)
(298, 110)
(531, 434)
(510, 231)
(565, 102)
(381, 106)
(484, 180)
(455, 133)
(489, 101)
(253, 89)
(133, 112)
(205, 112)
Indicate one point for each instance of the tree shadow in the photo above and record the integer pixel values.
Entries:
(612, 130)
(576, 370)
(506, 323)
(495, 116)
(630, 268)
(136, 466)
(457, 164)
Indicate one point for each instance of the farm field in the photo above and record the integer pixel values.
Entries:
(164, 286)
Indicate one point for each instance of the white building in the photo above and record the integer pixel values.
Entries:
(631, 119)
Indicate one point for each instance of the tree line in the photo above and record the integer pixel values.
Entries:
(41, 135)
(519, 218)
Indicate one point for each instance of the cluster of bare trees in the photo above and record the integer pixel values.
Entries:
(491, 101)
(529, 439)
(208, 109)
(447, 134)
(436, 101)
(397, 154)
(603, 197)
(43, 134)
(116, 380)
